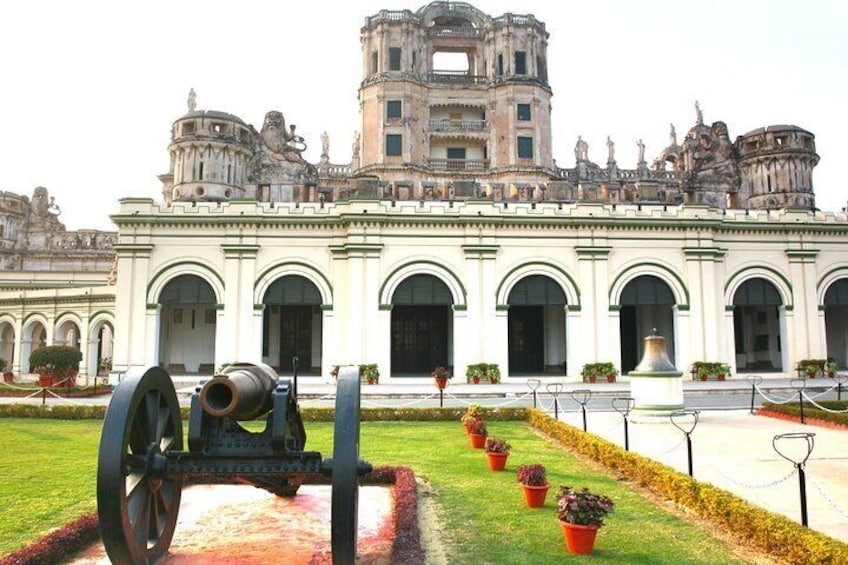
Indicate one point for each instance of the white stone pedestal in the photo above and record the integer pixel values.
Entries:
(656, 395)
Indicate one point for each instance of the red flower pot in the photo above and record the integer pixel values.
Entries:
(593, 379)
(720, 377)
(579, 539)
(476, 380)
(497, 461)
(610, 378)
(535, 496)
(371, 381)
(8, 377)
(478, 441)
(441, 383)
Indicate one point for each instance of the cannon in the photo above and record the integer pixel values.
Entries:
(142, 465)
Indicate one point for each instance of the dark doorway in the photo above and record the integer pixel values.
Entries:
(419, 338)
(836, 322)
(647, 303)
(292, 325)
(536, 327)
(526, 331)
(756, 326)
(421, 326)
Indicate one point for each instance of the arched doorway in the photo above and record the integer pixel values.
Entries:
(646, 303)
(836, 322)
(188, 317)
(67, 333)
(756, 326)
(292, 325)
(34, 336)
(536, 327)
(422, 326)
(100, 344)
(7, 344)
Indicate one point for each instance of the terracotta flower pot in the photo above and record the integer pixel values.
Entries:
(371, 381)
(441, 383)
(476, 380)
(534, 496)
(721, 377)
(8, 377)
(478, 441)
(610, 378)
(580, 540)
(593, 379)
(497, 461)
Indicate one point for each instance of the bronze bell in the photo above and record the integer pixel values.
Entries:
(655, 359)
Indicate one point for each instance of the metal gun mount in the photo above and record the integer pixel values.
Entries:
(141, 465)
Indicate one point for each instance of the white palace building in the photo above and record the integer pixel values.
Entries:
(450, 238)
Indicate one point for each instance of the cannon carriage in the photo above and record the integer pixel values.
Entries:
(142, 464)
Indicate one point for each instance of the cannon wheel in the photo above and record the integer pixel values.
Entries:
(137, 504)
(345, 468)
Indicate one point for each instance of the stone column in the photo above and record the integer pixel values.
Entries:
(599, 329)
(705, 304)
(486, 319)
(235, 339)
(802, 270)
(136, 345)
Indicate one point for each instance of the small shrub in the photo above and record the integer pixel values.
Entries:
(496, 445)
(533, 475)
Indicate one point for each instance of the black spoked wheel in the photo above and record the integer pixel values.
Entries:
(345, 468)
(137, 503)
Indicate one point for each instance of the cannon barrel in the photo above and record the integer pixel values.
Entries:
(242, 391)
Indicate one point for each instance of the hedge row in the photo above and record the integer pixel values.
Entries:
(85, 412)
(774, 534)
(810, 411)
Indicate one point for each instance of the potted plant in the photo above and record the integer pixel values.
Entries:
(55, 364)
(812, 367)
(475, 372)
(369, 373)
(478, 434)
(593, 371)
(831, 367)
(533, 479)
(581, 513)
(8, 376)
(705, 370)
(497, 451)
(473, 413)
(105, 366)
(493, 371)
(441, 375)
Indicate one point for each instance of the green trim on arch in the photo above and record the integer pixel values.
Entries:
(737, 275)
(386, 307)
(553, 266)
(307, 266)
(171, 268)
(460, 308)
(441, 267)
(574, 307)
(663, 268)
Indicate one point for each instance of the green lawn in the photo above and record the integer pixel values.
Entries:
(48, 470)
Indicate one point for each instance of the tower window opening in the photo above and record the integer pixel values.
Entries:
(394, 145)
(768, 181)
(524, 112)
(450, 62)
(200, 171)
(500, 64)
(375, 59)
(229, 174)
(520, 63)
(525, 147)
(188, 128)
(394, 58)
(394, 109)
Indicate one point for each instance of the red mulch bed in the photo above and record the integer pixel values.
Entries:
(72, 538)
(807, 419)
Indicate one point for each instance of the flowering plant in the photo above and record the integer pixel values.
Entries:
(582, 507)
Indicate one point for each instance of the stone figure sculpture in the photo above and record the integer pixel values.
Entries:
(611, 148)
(581, 149)
(356, 145)
(699, 114)
(325, 144)
(192, 100)
(672, 136)
(279, 144)
(641, 151)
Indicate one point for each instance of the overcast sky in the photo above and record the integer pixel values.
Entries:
(90, 88)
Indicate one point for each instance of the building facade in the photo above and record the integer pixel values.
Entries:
(452, 237)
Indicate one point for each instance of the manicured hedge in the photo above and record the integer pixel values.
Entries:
(772, 533)
(810, 411)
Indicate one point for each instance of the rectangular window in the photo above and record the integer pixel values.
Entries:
(394, 144)
(456, 152)
(394, 58)
(520, 63)
(500, 64)
(541, 70)
(375, 59)
(393, 109)
(524, 112)
(525, 147)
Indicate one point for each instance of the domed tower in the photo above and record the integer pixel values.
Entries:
(449, 92)
(776, 164)
(210, 152)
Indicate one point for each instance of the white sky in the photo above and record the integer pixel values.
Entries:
(90, 88)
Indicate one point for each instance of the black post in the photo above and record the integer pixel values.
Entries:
(294, 373)
(753, 393)
(44, 396)
(626, 436)
(534, 397)
(839, 390)
(583, 407)
(801, 402)
(556, 408)
(689, 451)
(441, 398)
(802, 481)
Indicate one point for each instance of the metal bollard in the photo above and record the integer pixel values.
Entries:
(582, 396)
(799, 464)
(624, 405)
(685, 421)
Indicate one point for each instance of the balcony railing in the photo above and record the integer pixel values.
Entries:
(454, 32)
(459, 164)
(459, 125)
(457, 77)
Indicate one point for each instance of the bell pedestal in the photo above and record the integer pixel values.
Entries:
(655, 384)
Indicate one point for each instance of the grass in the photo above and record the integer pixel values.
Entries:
(51, 481)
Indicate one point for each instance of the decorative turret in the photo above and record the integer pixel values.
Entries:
(210, 152)
(776, 163)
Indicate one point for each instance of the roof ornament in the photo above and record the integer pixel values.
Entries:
(192, 100)
(699, 114)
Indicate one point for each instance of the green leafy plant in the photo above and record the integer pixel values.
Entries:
(594, 371)
(493, 371)
(532, 475)
(582, 507)
(369, 373)
(707, 369)
(473, 413)
(496, 445)
(478, 427)
(831, 368)
(812, 367)
(61, 360)
(475, 372)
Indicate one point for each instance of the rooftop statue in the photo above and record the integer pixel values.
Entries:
(581, 149)
(192, 100)
(278, 144)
